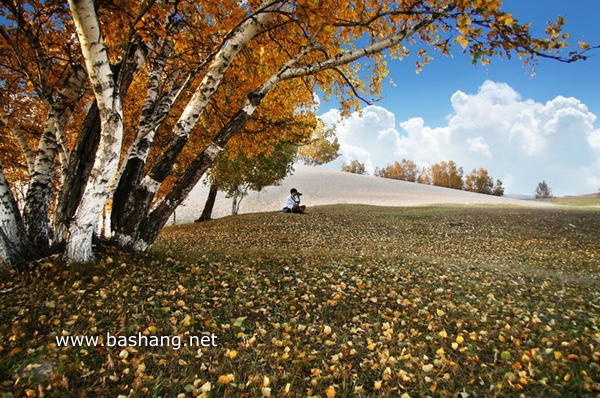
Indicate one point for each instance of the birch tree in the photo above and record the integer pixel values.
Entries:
(480, 181)
(236, 176)
(14, 245)
(137, 99)
(57, 84)
(447, 174)
(138, 203)
(405, 170)
(79, 244)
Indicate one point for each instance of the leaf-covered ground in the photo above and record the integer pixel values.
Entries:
(346, 301)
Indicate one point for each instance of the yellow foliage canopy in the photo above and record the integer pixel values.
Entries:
(244, 75)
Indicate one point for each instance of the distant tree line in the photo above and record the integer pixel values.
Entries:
(354, 167)
(443, 174)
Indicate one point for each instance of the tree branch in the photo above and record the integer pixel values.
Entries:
(345, 58)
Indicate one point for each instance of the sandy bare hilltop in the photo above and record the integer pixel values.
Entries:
(323, 187)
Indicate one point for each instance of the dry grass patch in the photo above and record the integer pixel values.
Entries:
(344, 301)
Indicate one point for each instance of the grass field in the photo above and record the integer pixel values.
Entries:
(591, 200)
(346, 301)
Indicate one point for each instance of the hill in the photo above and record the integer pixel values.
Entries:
(325, 187)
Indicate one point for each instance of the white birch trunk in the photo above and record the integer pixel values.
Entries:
(74, 88)
(79, 243)
(144, 192)
(39, 192)
(164, 208)
(238, 195)
(20, 137)
(211, 81)
(219, 66)
(13, 239)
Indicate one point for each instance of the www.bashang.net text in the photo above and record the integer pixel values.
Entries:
(138, 340)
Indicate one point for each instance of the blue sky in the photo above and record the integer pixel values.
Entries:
(522, 128)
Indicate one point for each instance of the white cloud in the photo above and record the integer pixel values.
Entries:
(364, 134)
(478, 145)
(519, 141)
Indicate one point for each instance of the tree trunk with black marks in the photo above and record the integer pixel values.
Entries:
(39, 193)
(80, 165)
(137, 209)
(97, 191)
(14, 245)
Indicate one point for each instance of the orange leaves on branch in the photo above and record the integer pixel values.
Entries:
(506, 19)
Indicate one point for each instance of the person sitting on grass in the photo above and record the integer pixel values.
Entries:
(292, 203)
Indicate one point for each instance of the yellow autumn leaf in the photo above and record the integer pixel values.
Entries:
(462, 41)
(330, 392)
(506, 19)
(226, 379)
(377, 385)
(523, 381)
(427, 368)
(206, 387)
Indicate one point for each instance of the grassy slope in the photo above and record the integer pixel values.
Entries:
(591, 200)
(344, 301)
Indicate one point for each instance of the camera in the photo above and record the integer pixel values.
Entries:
(299, 193)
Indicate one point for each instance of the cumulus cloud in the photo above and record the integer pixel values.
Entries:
(478, 145)
(517, 140)
(365, 134)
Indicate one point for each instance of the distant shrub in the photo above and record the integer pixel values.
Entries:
(543, 191)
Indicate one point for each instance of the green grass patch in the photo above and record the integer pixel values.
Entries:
(346, 301)
(592, 200)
